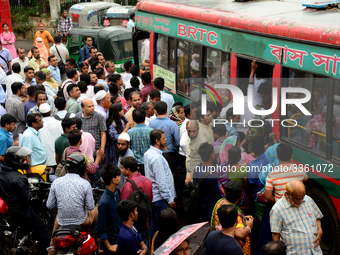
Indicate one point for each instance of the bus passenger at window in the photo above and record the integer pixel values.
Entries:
(319, 98)
(315, 124)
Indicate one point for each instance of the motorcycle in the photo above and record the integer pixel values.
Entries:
(17, 240)
(76, 239)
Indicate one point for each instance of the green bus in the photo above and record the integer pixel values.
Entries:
(296, 45)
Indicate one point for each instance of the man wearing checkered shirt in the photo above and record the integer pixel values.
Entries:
(64, 26)
(295, 219)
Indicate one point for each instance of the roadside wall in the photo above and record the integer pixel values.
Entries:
(35, 21)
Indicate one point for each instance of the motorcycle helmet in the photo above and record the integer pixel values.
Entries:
(76, 163)
(14, 155)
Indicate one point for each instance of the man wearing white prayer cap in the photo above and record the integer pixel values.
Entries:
(123, 145)
(103, 103)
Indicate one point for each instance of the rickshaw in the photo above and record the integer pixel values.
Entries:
(115, 42)
(119, 15)
(89, 14)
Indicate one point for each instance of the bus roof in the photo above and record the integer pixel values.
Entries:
(283, 19)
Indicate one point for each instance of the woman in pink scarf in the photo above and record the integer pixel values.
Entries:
(8, 39)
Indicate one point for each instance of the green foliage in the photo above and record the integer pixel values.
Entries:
(22, 28)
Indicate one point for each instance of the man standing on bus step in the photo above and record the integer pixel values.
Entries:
(165, 97)
(85, 51)
(296, 220)
(44, 35)
(64, 26)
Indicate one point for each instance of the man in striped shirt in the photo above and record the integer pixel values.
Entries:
(282, 174)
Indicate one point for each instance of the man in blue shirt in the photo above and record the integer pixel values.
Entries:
(171, 131)
(158, 171)
(139, 137)
(129, 240)
(29, 74)
(109, 222)
(54, 69)
(85, 51)
(7, 125)
(31, 139)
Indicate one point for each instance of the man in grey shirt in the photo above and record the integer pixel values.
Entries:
(15, 106)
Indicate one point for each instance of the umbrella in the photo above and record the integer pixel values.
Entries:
(195, 234)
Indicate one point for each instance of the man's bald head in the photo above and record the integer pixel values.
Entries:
(192, 129)
(87, 106)
(296, 192)
(296, 187)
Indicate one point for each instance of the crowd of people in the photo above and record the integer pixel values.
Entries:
(124, 132)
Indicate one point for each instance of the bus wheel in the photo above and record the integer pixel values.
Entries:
(330, 244)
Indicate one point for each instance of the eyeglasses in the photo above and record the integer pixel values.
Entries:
(182, 251)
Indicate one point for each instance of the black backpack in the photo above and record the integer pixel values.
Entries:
(143, 205)
(191, 198)
(66, 116)
(60, 92)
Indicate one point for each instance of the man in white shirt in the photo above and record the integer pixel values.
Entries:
(64, 54)
(165, 97)
(83, 88)
(22, 60)
(2, 81)
(149, 112)
(51, 130)
(60, 104)
(183, 129)
(145, 52)
(103, 103)
(131, 22)
(14, 77)
(134, 72)
(127, 75)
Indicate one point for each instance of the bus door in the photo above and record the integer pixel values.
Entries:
(142, 48)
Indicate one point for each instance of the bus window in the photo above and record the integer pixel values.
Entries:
(336, 122)
(182, 67)
(217, 71)
(310, 130)
(162, 51)
(172, 48)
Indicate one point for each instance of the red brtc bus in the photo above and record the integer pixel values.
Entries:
(5, 15)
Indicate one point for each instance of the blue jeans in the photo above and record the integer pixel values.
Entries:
(156, 208)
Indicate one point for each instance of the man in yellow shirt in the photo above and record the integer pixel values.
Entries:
(45, 35)
(36, 62)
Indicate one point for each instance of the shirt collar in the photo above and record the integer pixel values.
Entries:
(133, 175)
(156, 149)
(110, 193)
(5, 131)
(286, 203)
(33, 131)
(140, 125)
(102, 108)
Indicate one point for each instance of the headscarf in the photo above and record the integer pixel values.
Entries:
(174, 115)
(226, 145)
(51, 82)
(42, 49)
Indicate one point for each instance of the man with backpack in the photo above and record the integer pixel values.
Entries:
(137, 184)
